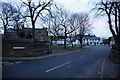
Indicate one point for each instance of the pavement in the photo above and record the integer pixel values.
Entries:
(53, 54)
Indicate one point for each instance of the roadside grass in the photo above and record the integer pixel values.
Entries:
(69, 48)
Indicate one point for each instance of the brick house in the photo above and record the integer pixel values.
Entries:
(41, 34)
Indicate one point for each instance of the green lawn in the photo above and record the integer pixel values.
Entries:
(57, 47)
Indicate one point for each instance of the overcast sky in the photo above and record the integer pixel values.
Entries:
(100, 24)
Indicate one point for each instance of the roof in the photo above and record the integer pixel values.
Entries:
(91, 37)
(10, 30)
(87, 37)
(29, 30)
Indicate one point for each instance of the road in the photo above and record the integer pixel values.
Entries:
(87, 63)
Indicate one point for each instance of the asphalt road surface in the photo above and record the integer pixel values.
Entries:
(87, 63)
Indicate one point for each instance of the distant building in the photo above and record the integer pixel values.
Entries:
(60, 40)
(88, 40)
(41, 34)
(112, 41)
(10, 33)
(91, 40)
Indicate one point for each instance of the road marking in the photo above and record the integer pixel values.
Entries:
(78, 50)
(102, 68)
(18, 62)
(58, 66)
(81, 57)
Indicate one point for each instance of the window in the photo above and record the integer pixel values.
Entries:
(97, 43)
(90, 42)
(43, 34)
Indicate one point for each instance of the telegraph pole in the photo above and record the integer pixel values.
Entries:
(49, 34)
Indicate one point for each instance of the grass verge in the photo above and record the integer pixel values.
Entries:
(70, 48)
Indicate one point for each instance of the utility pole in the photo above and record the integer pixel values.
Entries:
(49, 34)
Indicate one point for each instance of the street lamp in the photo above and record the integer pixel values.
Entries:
(49, 36)
(50, 16)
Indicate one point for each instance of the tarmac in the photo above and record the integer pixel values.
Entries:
(53, 54)
(15, 60)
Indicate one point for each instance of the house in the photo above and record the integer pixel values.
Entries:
(10, 33)
(59, 40)
(91, 40)
(41, 34)
(88, 40)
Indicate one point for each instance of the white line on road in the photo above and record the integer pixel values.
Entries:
(78, 50)
(58, 66)
(81, 57)
(102, 68)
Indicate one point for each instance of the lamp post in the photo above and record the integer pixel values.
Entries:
(49, 34)
(50, 16)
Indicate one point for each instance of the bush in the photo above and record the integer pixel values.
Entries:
(115, 56)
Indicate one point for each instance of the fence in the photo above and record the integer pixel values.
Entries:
(21, 46)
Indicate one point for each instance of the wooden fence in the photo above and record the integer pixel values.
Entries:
(9, 44)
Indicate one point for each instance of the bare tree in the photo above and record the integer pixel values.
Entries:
(112, 10)
(35, 10)
(61, 21)
(84, 25)
(74, 24)
(18, 19)
(53, 20)
(6, 15)
(67, 23)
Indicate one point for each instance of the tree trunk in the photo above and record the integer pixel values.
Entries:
(116, 25)
(33, 31)
(32, 21)
(65, 39)
(110, 26)
(81, 37)
(117, 43)
(119, 19)
(80, 43)
(17, 30)
(5, 30)
(71, 41)
(72, 44)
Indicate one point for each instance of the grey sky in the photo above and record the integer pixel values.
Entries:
(100, 24)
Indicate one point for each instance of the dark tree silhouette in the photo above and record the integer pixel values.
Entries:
(6, 15)
(35, 10)
(112, 10)
(83, 25)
